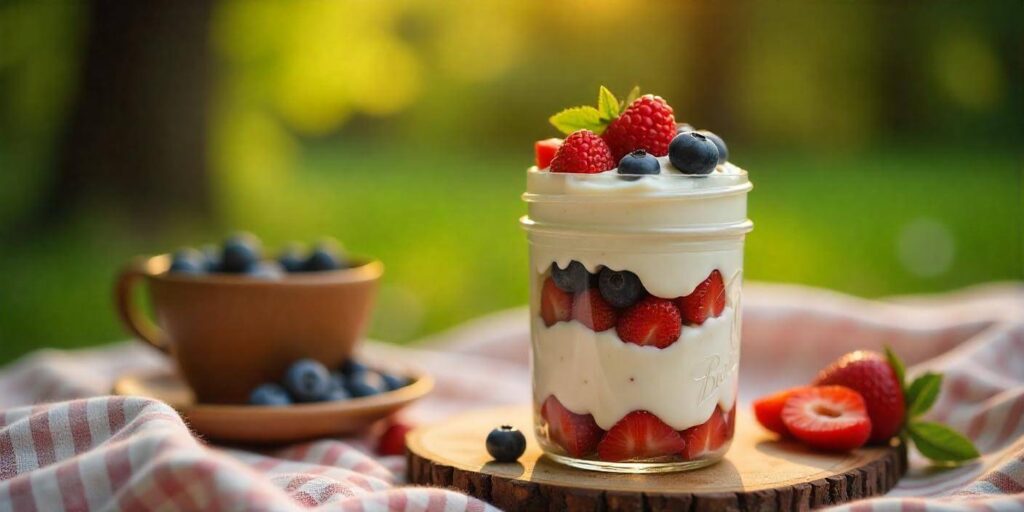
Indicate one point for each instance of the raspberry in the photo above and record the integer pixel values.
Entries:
(648, 123)
(583, 152)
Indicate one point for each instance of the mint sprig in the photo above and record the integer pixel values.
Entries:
(590, 118)
(934, 440)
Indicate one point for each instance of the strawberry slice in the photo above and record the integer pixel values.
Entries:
(710, 435)
(706, 301)
(652, 321)
(590, 309)
(555, 304)
(768, 410)
(544, 150)
(639, 435)
(832, 418)
(578, 434)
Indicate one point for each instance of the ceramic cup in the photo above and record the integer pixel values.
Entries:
(229, 333)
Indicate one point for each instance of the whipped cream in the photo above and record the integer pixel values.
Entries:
(597, 373)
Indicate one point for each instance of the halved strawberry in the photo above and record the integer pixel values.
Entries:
(555, 304)
(710, 435)
(578, 434)
(652, 321)
(706, 301)
(768, 410)
(870, 374)
(639, 435)
(544, 151)
(830, 418)
(590, 309)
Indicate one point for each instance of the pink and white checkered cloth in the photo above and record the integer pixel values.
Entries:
(75, 449)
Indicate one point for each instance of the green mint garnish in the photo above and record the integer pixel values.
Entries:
(922, 393)
(590, 118)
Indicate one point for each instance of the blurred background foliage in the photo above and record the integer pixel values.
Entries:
(884, 139)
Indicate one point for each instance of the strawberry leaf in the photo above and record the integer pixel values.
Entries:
(941, 443)
(922, 393)
(898, 367)
(578, 118)
(634, 93)
(607, 104)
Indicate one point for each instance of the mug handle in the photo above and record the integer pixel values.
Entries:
(131, 316)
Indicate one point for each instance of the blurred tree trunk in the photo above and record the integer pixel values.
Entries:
(136, 139)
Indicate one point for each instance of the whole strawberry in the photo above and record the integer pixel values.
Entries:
(870, 374)
(648, 123)
(583, 152)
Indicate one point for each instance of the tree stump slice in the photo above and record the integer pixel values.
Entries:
(760, 473)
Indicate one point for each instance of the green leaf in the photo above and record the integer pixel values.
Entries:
(578, 118)
(607, 104)
(941, 443)
(922, 393)
(634, 93)
(898, 367)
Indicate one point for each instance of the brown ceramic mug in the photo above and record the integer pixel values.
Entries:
(229, 333)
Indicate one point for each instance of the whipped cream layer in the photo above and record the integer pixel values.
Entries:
(597, 373)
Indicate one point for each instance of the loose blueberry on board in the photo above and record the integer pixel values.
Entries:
(307, 381)
(351, 367)
(639, 162)
(188, 261)
(723, 150)
(506, 444)
(270, 394)
(693, 153)
(393, 382)
(241, 253)
(292, 258)
(266, 270)
(620, 288)
(574, 278)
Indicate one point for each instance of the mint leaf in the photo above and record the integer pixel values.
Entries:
(898, 367)
(607, 104)
(634, 93)
(941, 443)
(578, 118)
(922, 393)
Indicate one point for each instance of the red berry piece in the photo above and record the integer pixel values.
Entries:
(831, 418)
(768, 410)
(544, 151)
(583, 152)
(706, 301)
(590, 309)
(555, 304)
(648, 123)
(639, 435)
(392, 441)
(577, 434)
(652, 321)
(869, 374)
(710, 435)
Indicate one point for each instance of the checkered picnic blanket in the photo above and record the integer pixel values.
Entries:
(65, 446)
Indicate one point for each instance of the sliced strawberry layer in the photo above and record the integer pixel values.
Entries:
(652, 321)
(544, 151)
(639, 435)
(768, 410)
(577, 434)
(706, 301)
(555, 304)
(832, 418)
(590, 309)
(710, 435)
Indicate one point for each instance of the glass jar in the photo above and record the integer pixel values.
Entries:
(635, 300)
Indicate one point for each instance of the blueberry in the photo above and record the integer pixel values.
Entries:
(693, 153)
(241, 253)
(266, 270)
(211, 256)
(351, 367)
(292, 258)
(620, 288)
(307, 381)
(269, 394)
(337, 394)
(639, 162)
(393, 382)
(506, 444)
(188, 261)
(723, 150)
(574, 278)
(325, 256)
(337, 380)
(361, 384)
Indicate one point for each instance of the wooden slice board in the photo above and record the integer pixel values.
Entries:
(759, 472)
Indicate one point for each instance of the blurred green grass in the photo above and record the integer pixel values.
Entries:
(446, 227)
